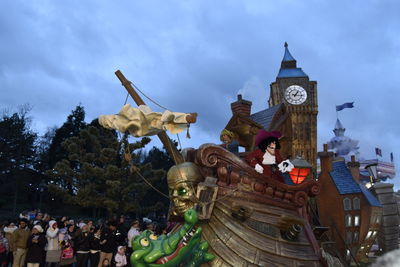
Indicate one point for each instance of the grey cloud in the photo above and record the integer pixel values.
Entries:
(195, 56)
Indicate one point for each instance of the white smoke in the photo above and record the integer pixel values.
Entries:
(390, 259)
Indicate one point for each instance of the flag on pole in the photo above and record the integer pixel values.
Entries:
(378, 151)
(345, 105)
(391, 157)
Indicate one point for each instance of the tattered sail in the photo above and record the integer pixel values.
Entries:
(142, 121)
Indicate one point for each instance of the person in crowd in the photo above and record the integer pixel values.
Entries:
(20, 240)
(120, 257)
(90, 225)
(38, 219)
(133, 231)
(9, 234)
(4, 249)
(67, 252)
(53, 249)
(95, 247)
(82, 245)
(71, 230)
(36, 244)
(108, 242)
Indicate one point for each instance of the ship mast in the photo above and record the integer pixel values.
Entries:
(169, 146)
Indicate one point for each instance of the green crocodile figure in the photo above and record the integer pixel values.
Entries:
(183, 248)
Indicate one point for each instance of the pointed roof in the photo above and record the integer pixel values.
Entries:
(289, 67)
(339, 129)
(287, 56)
(338, 124)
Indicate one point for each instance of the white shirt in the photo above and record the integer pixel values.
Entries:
(131, 235)
(268, 159)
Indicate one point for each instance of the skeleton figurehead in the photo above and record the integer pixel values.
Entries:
(182, 181)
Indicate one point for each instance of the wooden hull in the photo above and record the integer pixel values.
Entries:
(255, 239)
(240, 243)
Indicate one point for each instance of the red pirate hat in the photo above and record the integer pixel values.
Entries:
(263, 134)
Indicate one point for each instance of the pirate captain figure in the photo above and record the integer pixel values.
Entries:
(266, 159)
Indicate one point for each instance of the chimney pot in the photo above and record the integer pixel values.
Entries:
(325, 147)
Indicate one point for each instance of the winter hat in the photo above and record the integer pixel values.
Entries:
(51, 223)
(38, 227)
(81, 225)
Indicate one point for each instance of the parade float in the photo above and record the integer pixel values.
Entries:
(244, 217)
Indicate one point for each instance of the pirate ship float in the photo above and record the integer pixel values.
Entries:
(247, 219)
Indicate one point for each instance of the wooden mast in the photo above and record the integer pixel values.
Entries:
(171, 148)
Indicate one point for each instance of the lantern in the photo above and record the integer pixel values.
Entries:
(300, 171)
(372, 170)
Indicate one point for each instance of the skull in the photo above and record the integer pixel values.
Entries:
(182, 180)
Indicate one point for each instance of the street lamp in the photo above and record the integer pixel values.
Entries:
(373, 174)
(300, 171)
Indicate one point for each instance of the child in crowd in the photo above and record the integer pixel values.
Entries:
(120, 257)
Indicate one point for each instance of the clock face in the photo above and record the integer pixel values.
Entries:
(295, 95)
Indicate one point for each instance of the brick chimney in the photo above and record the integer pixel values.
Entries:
(241, 107)
(326, 159)
(354, 167)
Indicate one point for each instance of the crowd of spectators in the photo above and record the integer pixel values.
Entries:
(39, 240)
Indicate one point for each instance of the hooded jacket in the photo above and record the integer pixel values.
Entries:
(52, 237)
(10, 236)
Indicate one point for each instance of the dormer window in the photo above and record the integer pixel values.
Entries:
(348, 220)
(347, 204)
(356, 203)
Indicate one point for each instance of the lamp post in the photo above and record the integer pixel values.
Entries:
(373, 174)
(300, 171)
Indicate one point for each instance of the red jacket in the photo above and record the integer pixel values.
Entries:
(271, 171)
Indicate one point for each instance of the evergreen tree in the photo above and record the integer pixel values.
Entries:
(17, 151)
(95, 174)
(74, 124)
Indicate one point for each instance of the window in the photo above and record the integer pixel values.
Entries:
(349, 237)
(348, 220)
(368, 235)
(357, 220)
(347, 254)
(356, 203)
(356, 236)
(378, 219)
(347, 204)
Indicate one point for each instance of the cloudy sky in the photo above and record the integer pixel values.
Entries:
(195, 56)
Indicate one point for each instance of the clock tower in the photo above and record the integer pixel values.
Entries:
(294, 89)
